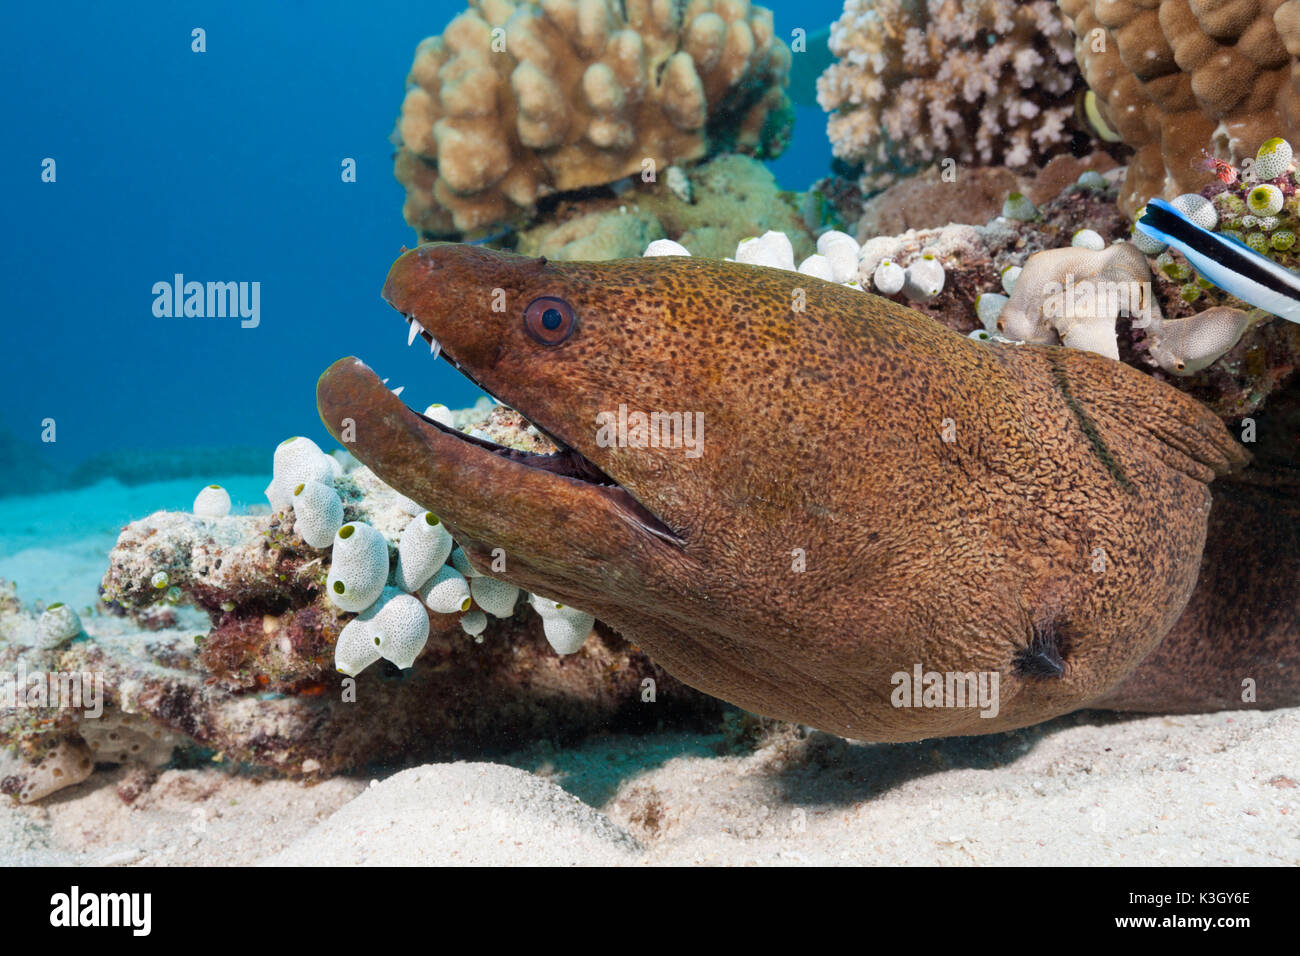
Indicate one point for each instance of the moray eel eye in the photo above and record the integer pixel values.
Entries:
(549, 320)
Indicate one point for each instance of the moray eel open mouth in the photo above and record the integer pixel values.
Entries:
(564, 462)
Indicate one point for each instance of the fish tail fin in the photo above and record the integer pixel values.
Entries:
(1120, 406)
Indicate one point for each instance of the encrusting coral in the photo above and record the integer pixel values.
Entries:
(1176, 77)
(516, 101)
(917, 81)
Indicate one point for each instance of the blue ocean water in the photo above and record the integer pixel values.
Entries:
(223, 166)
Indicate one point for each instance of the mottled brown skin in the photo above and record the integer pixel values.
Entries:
(1069, 507)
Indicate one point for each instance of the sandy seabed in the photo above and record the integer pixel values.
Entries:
(1084, 789)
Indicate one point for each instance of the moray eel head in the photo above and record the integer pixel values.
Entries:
(864, 498)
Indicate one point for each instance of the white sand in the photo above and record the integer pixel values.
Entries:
(1209, 789)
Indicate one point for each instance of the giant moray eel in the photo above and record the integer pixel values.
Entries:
(875, 493)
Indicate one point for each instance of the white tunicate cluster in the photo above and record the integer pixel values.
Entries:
(1197, 209)
(318, 513)
(297, 460)
(358, 568)
(924, 279)
(423, 548)
(566, 628)
(1088, 239)
(441, 414)
(817, 266)
(496, 597)
(665, 247)
(772, 248)
(889, 277)
(446, 592)
(212, 502)
(841, 250)
(57, 625)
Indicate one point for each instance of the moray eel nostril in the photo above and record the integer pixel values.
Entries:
(869, 492)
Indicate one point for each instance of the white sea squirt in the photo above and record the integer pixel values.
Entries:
(770, 249)
(423, 548)
(318, 513)
(358, 567)
(665, 247)
(440, 413)
(446, 592)
(841, 250)
(474, 623)
(212, 502)
(889, 277)
(566, 628)
(355, 649)
(400, 629)
(296, 460)
(496, 597)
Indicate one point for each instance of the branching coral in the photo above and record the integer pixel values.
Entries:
(515, 101)
(981, 81)
(1174, 77)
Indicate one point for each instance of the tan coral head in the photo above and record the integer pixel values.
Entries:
(516, 101)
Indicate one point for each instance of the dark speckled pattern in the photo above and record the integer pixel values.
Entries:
(1072, 501)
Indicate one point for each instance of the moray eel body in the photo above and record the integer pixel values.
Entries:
(874, 495)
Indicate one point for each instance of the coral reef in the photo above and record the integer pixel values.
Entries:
(1176, 77)
(984, 82)
(516, 101)
(732, 197)
(233, 658)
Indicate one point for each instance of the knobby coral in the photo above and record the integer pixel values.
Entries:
(516, 100)
(980, 81)
(1175, 77)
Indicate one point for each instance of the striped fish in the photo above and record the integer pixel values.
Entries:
(1231, 265)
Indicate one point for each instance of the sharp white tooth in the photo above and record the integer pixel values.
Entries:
(434, 346)
(385, 381)
(416, 329)
(399, 390)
